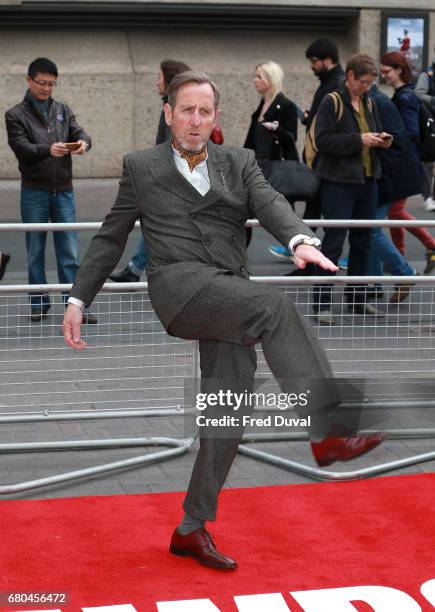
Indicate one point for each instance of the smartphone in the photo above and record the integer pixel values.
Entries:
(72, 146)
(271, 125)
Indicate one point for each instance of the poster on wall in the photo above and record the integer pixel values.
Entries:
(407, 34)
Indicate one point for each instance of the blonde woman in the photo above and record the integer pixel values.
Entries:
(274, 124)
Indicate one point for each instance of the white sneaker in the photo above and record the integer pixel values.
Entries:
(428, 205)
(324, 317)
(366, 309)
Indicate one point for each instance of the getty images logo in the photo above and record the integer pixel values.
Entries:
(380, 598)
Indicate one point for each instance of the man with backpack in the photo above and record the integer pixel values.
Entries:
(425, 90)
(323, 56)
(324, 60)
(346, 135)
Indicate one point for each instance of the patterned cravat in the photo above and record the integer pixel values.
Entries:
(192, 158)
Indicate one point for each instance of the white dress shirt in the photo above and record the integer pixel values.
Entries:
(198, 178)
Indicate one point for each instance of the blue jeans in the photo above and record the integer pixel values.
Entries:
(42, 207)
(384, 253)
(140, 258)
(345, 201)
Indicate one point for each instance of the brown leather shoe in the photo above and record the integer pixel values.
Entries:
(343, 449)
(89, 318)
(4, 260)
(199, 545)
(401, 292)
(430, 261)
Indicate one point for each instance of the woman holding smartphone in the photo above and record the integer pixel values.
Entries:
(396, 72)
(274, 124)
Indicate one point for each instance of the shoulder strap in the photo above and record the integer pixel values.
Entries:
(310, 149)
(338, 104)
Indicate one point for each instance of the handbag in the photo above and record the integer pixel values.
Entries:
(291, 177)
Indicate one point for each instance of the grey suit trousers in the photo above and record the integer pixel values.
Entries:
(228, 317)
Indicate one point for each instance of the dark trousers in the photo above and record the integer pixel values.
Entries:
(313, 209)
(428, 180)
(346, 201)
(228, 317)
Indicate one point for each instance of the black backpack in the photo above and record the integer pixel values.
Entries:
(427, 133)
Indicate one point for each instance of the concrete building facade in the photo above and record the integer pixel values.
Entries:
(108, 55)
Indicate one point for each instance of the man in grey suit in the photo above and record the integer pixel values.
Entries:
(192, 199)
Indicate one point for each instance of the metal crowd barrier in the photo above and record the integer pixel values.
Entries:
(401, 343)
(95, 225)
(387, 350)
(132, 368)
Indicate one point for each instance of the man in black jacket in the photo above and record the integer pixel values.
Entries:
(324, 60)
(38, 128)
(347, 133)
(323, 56)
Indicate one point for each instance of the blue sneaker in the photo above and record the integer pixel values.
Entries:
(343, 262)
(282, 252)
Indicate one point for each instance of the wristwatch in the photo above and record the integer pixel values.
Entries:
(315, 242)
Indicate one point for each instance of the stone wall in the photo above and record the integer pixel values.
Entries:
(108, 78)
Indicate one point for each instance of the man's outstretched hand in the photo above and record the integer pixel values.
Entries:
(306, 254)
(71, 327)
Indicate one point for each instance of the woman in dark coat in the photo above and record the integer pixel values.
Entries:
(395, 162)
(168, 69)
(135, 267)
(274, 124)
(395, 71)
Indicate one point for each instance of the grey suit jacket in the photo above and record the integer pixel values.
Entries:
(191, 238)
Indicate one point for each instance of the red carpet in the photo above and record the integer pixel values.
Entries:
(108, 551)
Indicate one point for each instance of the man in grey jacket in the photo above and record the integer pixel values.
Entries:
(425, 90)
(193, 198)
